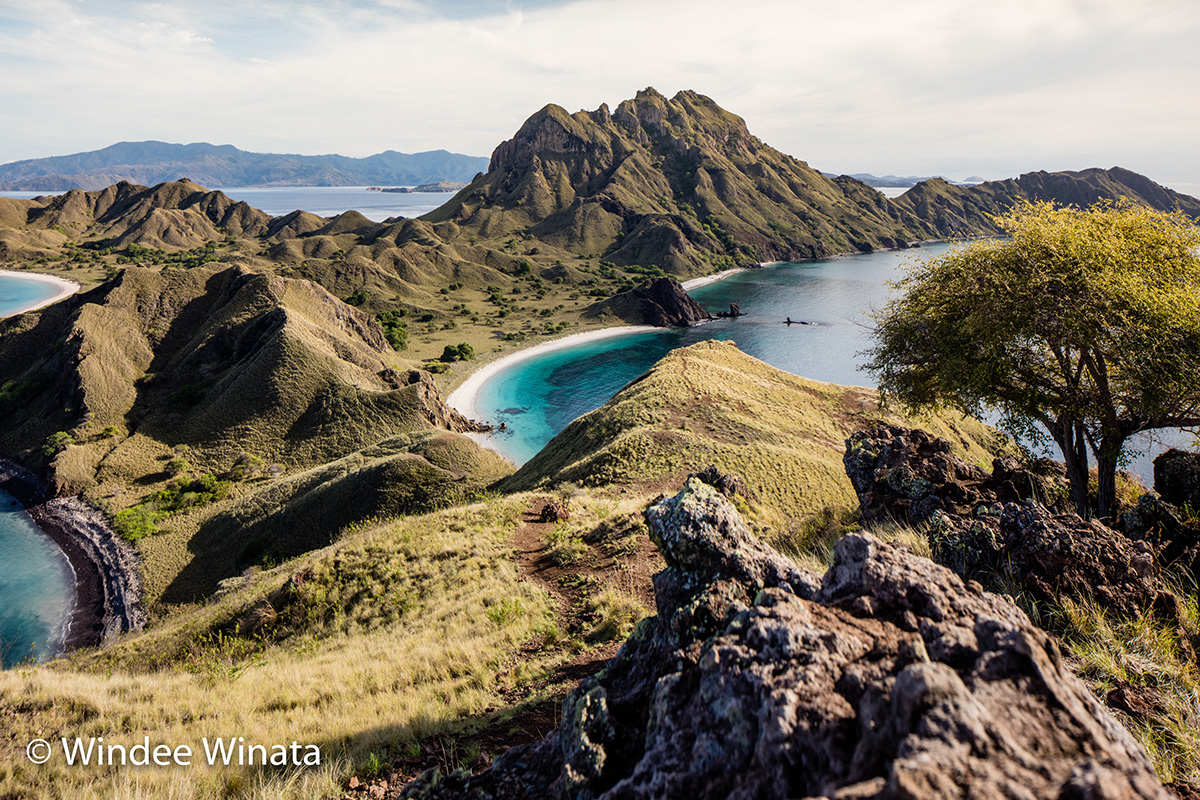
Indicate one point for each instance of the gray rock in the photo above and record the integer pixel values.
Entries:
(888, 678)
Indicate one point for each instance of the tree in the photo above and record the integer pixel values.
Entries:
(1083, 322)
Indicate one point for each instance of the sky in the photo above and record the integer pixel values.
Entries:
(909, 87)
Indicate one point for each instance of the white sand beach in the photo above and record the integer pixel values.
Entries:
(66, 287)
(464, 398)
(696, 283)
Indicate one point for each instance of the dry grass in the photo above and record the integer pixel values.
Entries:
(712, 404)
(394, 634)
(1143, 652)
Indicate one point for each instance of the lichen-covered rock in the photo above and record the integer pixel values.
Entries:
(727, 483)
(907, 475)
(1051, 554)
(986, 526)
(1158, 523)
(888, 678)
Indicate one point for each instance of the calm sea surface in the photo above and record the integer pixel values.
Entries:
(537, 398)
(17, 292)
(37, 588)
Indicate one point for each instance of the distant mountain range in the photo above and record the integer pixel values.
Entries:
(150, 163)
(903, 181)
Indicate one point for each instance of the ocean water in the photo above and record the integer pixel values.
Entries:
(37, 588)
(18, 292)
(324, 201)
(329, 201)
(537, 398)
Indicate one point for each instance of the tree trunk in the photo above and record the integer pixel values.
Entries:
(1106, 471)
(1068, 435)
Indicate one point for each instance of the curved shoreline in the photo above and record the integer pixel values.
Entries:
(465, 398)
(108, 587)
(66, 288)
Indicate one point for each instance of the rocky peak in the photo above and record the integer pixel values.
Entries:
(661, 302)
(888, 678)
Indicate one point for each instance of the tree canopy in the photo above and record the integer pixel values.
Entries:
(1083, 322)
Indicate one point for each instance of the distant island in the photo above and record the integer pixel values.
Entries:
(224, 165)
(440, 186)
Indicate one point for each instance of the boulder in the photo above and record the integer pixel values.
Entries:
(989, 526)
(1158, 523)
(887, 677)
(727, 483)
(1177, 478)
(661, 302)
(554, 511)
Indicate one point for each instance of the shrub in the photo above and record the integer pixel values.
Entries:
(56, 443)
(458, 352)
(137, 522)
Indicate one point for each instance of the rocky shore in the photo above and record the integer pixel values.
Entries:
(108, 585)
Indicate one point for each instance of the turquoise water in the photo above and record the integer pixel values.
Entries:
(18, 292)
(537, 398)
(37, 588)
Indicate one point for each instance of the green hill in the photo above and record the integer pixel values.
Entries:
(679, 183)
(710, 403)
(171, 396)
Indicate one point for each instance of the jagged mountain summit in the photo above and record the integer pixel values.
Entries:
(225, 165)
(680, 183)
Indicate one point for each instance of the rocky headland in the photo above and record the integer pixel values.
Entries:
(661, 302)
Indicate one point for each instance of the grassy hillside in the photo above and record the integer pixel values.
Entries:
(206, 408)
(966, 210)
(402, 634)
(710, 403)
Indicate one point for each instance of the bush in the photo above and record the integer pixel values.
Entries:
(458, 352)
(245, 466)
(56, 443)
(137, 522)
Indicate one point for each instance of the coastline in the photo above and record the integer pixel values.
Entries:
(464, 399)
(108, 586)
(696, 283)
(66, 287)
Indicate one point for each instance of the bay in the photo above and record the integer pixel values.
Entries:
(37, 588)
(538, 397)
(18, 292)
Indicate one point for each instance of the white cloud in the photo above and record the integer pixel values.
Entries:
(866, 85)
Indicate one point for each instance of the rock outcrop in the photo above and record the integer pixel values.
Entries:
(983, 526)
(661, 302)
(1177, 478)
(906, 474)
(888, 677)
